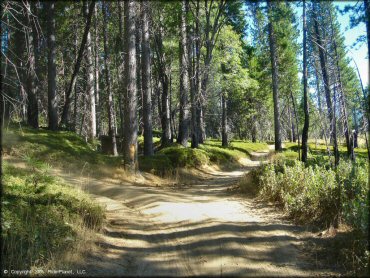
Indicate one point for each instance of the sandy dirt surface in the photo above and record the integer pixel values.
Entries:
(199, 228)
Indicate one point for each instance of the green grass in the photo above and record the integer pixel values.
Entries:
(42, 218)
(59, 148)
(211, 152)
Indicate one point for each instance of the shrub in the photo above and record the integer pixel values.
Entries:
(310, 194)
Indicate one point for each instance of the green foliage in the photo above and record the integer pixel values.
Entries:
(57, 148)
(185, 157)
(42, 219)
(354, 179)
(310, 194)
(158, 164)
(211, 152)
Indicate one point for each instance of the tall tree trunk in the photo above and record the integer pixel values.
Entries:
(305, 97)
(275, 78)
(32, 104)
(90, 79)
(367, 16)
(316, 67)
(183, 134)
(111, 113)
(297, 123)
(52, 97)
(341, 93)
(254, 129)
(96, 79)
(193, 86)
(64, 119)
(120, 68)
(172, 111)
(225, 141)
(333, 133)
(145, 64)
(19, 37)
(75, 84)
(131, 125)
(138, 69)
(166, 117)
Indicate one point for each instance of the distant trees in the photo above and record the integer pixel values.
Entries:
(183, 71)
(65, 113)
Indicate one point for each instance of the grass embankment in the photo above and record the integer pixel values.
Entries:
(45, 222)
(318, 194)
(62, 149)
(211, 152)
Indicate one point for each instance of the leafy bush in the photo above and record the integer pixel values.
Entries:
(310, 194)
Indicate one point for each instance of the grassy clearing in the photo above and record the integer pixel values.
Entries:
(45, 222)
(58, 148)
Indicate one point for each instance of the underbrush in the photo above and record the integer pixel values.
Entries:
(42, 218)
(317, 194)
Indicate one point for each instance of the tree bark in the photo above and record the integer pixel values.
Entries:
(131, 125)
(96, 79)
(183, 134)
(64, 119)
(111, 116)
(90, 80)
(32, 104)
(367, 16)
(225, 141)
(196, 82)
(305, 97)
(120, 68)
(333, 132)
(145, 64)
(275, 78)
(297, 124)
(52, 97)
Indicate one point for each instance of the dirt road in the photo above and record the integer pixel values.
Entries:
(198, 229)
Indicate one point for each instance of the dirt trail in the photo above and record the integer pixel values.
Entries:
(198, 229)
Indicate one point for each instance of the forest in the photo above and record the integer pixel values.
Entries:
(184, 138)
